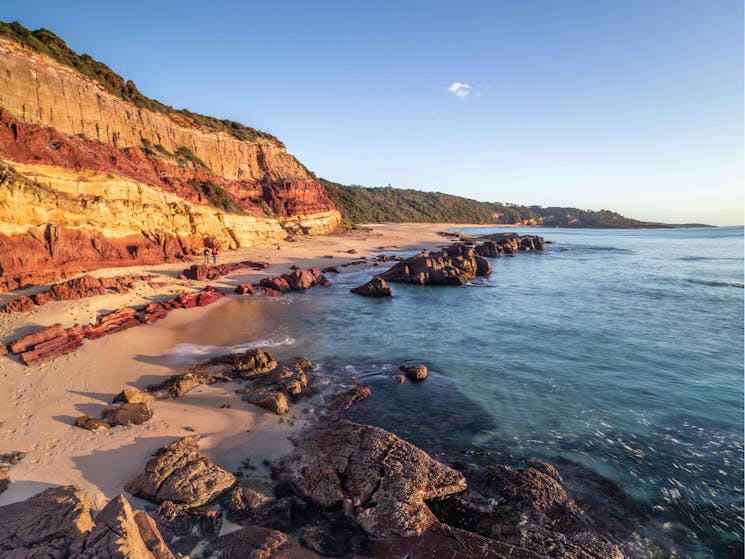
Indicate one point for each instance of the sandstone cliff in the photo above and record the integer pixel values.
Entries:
(89, 179)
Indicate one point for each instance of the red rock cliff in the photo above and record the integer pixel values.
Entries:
(88, 179)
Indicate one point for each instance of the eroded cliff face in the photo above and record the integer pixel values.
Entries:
(83, 185)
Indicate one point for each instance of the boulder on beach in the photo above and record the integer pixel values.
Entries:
(269, 399)
(178, 472)
(133, 396)
(44, 525)
(91, 423)
(380, 481)
(128, 414)
(376, 287)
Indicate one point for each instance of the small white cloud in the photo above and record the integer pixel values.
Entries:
(460, 89)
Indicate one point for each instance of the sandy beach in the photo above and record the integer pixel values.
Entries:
(39, 404)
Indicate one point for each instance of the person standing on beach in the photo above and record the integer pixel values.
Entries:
(214, 256)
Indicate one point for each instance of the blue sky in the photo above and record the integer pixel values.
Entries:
(633, 106)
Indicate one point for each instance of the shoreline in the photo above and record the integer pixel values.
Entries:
(41, 402)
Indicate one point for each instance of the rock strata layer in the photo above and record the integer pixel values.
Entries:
(89, 180)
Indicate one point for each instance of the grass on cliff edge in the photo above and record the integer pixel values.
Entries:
(44, 41)
(217, 196)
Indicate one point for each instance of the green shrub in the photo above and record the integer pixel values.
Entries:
(184, 152)
(217, 196)
(385, 204)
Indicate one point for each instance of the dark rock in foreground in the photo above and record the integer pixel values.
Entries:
(376, 287)
(379, 480)
(445, 542)
(178, 472)
(46, 525)
(255, 542)
(183, 528)
(526, 507)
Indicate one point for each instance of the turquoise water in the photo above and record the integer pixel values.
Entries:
(620, 350)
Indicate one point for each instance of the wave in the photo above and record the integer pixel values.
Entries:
(697, 258)
(716, 283)
(588, 248)
(191, 352)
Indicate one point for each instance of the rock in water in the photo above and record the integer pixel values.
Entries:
(45, 525)
(118, 534)
(178, 472)
(455, 265)
(414, 372)
(376, 287)
(379, 480)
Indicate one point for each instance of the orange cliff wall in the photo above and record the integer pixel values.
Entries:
(77, 192)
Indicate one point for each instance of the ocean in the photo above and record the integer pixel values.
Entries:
(619, 351)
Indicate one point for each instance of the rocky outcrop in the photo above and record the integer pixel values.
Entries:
(120, 533)
(203, 272)
(455, 265)
(376, 287)
(380, 481)
(297, 280)
(45, 525)
(250, 363)
(97, 181)
(77, 288)
(55, 341)
(273, 391)
(509, 243)
(179, 473)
